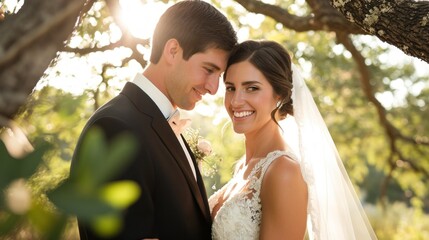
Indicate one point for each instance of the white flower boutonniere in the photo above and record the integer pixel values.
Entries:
(204, 146)
(203, 152)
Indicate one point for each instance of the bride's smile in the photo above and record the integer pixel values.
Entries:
(249, 97)
(242, 114)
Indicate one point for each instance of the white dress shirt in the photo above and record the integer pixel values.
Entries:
(164, 105)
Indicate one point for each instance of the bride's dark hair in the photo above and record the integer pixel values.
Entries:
(274, 62)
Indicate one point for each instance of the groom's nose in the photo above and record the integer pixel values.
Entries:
(212, 85)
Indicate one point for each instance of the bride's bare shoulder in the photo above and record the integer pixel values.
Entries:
(284, 172)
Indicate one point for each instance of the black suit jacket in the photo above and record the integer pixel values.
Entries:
(172, 204)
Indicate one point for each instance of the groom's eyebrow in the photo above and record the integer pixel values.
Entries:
(212, 65)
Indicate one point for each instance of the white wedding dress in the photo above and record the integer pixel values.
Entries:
(334, 209)
(240, 215)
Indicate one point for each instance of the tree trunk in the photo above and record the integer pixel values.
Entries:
(404, 24)
(29, 40)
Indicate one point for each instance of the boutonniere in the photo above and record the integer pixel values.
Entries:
(203, 152)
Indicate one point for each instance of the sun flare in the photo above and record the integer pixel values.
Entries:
(141, 18)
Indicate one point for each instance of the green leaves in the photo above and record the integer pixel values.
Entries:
(98, 161)
(88, 193)
(15, 199)
(12, 168)
(120, 194)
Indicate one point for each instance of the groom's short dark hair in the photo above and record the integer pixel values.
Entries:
(196, 25)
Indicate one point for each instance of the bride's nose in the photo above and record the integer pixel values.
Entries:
(237, 99)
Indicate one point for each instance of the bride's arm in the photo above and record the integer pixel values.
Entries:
(284, 198)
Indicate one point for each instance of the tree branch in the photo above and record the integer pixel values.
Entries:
(385, 184)
(323, 17)
(123, 42)
(410, 20)
(392, 133)
(33, 36)
(38, 30)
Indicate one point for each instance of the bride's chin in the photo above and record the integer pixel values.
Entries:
(238, 130)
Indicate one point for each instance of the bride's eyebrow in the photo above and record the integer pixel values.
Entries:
(250, 83)
(245, 83)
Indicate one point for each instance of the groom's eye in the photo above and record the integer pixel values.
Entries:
(209, 70)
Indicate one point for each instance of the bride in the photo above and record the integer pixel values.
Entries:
(291, 179)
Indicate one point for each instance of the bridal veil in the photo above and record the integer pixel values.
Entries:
(335, 212)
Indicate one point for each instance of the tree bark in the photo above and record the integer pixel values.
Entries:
(29, 40)
(322, 18)
(404, 24)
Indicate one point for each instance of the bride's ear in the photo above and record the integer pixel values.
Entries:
(279, 102)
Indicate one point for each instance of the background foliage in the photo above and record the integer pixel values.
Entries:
(394, 191)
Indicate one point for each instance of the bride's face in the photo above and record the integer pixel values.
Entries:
(249, 98)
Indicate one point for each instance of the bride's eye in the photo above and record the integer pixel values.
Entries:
(230, 88)
(252, 88)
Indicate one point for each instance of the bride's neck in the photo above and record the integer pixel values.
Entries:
(267, 139)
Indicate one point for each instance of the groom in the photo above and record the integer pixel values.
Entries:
(190, 48)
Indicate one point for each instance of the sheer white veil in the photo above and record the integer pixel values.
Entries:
(334, 210)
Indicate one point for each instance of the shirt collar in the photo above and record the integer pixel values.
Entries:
(155, 94)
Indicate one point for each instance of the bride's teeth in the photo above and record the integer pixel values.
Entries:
(242, 114)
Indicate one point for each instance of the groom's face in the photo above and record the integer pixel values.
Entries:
(193, 78)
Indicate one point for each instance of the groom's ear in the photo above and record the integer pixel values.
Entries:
(172, 50)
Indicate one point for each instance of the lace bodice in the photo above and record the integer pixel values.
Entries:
(240, 215)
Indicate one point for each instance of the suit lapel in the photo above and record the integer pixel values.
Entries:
(160, 125)
(205, 207)
(173, 145)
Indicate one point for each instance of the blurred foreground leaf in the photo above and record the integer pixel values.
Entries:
(15, 199)
(13, 168)
(88, 192)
